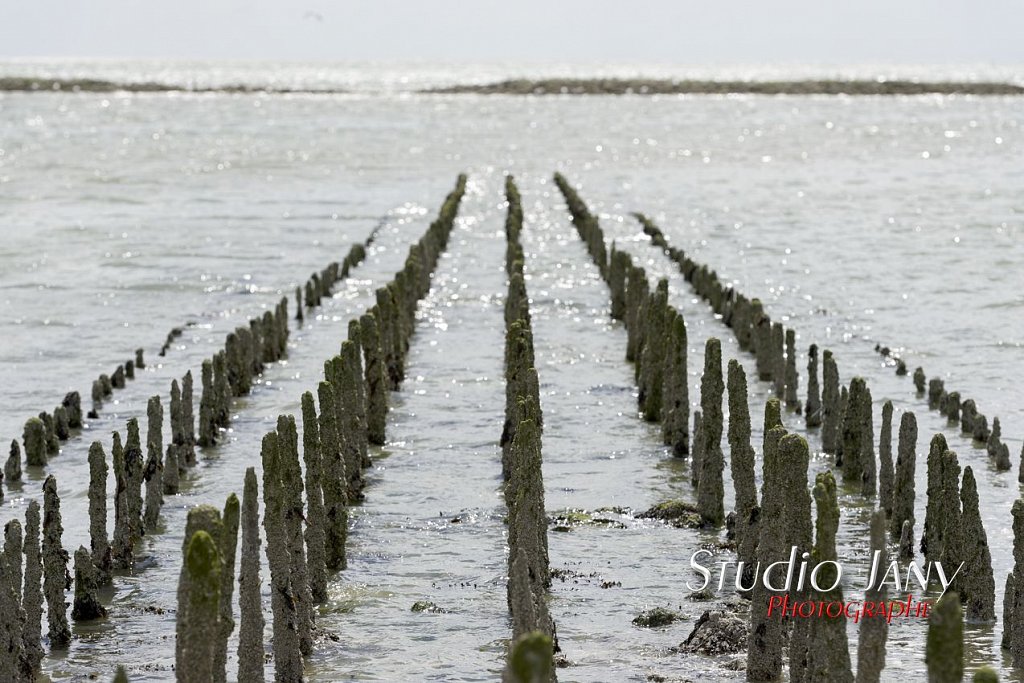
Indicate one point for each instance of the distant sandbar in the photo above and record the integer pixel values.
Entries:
(622, 86)
(32, 84)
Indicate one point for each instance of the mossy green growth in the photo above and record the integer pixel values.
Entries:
(574, 518)
(204, 566)
(120, 676)
(530, 660)
(678, 513)
(656, 618)
(985, 674)
(427, 606)
(944, 651)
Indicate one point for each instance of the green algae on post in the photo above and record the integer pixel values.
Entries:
(12, 613)
(12, 467)
(226, 545)
(985, 674)
(290, 475)
(86, 606)
(251, 622)
(831, 417)
(767, 635)
(741, 459)
(32, 599)
(977, 585)
(154, 469)
(886, 474)
(676, 422)
(711, 491)
(72, 403)
(792, 379)
(207, 407)
(315, 533)
(287, 657)
(812, 408)
(203, 567)
(903, 494)
(874, 630)
(931, 541)
(334, 484)
(376, 380)
(827, 651)
(944, 649)
(34, 437)
(99, 542)
(530, 659)
(56, 578)
(653, 354)
(206, 519)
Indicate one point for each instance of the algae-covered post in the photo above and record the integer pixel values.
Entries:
(977, 587)
(944, 649)
(34, 437)
(812, 408)
(202, 518)
(710, 489)
(99, 541)
(56, 578)
(134, 467)
(293, 518)
(315, 533)
(1012, 617)
(885, 470)
(920, 381)
(828, 653)
(767, 635)
(935, 390)
(696, 456)
(12, 468)
(61, 427)
(207, 407)
(86, 606)
(376, 380)
(154, 468)
(931, 540)
(796, 455)
(653, 354)
(830, 409)
(676, 422)
(12, 613)
(287, 657)
(72, 403)
(903, 493)
(32, 599)
(778, 359)
(226, 546)
(334, 485)
(874, 630)
(741, 458)
(951, 519)
(792, 378)
(202, 566)
(251, 622)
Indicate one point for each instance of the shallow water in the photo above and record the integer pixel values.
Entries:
(857, 220)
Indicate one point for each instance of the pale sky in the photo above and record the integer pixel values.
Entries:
(672, 31)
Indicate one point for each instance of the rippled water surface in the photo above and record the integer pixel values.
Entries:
(858, 220)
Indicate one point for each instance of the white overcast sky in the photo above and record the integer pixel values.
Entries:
(673, 31)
